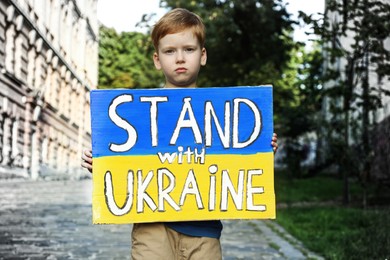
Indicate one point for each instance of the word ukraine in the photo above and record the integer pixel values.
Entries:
(182, 154)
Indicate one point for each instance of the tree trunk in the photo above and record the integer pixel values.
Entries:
(365, 129)
(348, 90)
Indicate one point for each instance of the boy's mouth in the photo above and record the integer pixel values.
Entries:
(181, 70)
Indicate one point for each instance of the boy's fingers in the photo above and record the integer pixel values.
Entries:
(86, 158)
(87, 152)
(87, 155)
(87, 166)
(274, 142)
(274, 145)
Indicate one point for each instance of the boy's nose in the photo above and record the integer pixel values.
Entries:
(180, 57)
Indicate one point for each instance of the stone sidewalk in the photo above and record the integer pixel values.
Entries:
(52, 220)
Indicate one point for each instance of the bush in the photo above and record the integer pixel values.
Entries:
(340, 233)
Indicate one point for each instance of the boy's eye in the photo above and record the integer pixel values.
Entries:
(190, 49)
(169, 51)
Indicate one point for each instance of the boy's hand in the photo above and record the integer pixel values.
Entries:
(274, 142)
(87, 159)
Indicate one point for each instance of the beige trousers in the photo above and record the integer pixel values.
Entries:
(156, 241)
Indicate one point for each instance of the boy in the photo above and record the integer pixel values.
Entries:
(178, 38)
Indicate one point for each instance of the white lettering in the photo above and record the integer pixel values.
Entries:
(153, 116)
(251, 190)
(163, 194)
(212, 192)
(199, 157)
(227, 186)
(225, 137)
(166, 157)
(187, 123)
(191, 187)
(257, 120)
(109, 194)
(165, 181)
(131, 133)
(141, 193)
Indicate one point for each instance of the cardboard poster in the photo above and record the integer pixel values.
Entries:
(182, 154)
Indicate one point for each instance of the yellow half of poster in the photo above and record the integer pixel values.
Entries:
(224, 187)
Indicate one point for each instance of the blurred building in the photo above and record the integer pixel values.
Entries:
(380, 118)
(48, 65)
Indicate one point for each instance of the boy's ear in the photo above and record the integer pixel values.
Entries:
(203, 58)
(156, 61)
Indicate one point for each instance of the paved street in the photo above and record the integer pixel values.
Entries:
(52, 220)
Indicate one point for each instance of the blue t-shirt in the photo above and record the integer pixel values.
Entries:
(209, 228)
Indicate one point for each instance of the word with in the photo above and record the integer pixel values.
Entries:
(170, 157)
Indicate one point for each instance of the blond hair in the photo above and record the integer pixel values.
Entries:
(178, 20)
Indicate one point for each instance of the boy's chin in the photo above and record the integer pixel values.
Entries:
(180, 85)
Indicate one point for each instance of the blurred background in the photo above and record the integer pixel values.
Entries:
(328, 62)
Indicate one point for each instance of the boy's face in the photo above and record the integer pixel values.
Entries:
(180, 57)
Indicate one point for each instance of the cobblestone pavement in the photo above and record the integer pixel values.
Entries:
(52, 220)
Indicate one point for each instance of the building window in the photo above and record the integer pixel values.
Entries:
(45, 150)
(18, 56)
(31, 67)
(10, 49)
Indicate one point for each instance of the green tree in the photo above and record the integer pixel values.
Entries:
(353, 36)
(301, 85)
(125, 60)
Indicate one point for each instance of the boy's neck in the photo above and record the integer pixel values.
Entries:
(174, 86)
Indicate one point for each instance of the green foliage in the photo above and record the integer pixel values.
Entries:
(330, 230)
(300, 91)
(125, 61)
(311, 190)
(314, 189)
(353, 35)
(340, 233)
